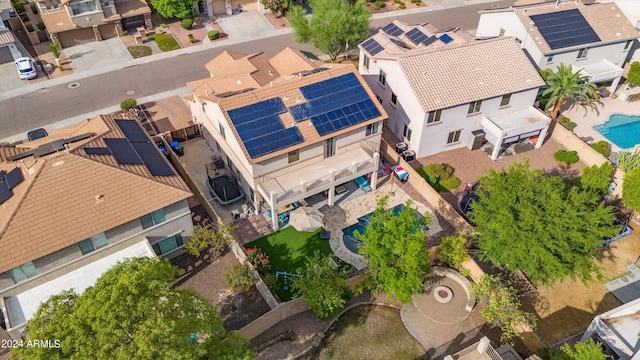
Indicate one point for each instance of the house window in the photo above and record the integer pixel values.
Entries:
(52, 4)
(229, 163)
(294, 156)
(329, 147)
(365, 62)
(627, 45)
(474, 107)
(382, 78)
(222, 132)
(152, 219)
(93, 243)
(169, 244)
(83, 7)
(454, 137)
(583, 53)
(434, 116)
(407, 133)
(106, 3)
(550, 58)
(372, 128)
(506, 99)
(23, 272)
(379, 98)
(394, 99)
(502, 31)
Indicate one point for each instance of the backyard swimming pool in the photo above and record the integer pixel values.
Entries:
(622, 130)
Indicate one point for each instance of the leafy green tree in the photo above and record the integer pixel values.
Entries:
(634, 73)
(331, 25)
(597, 178)
(278, 7)
(502, 306)
(55, 50)
(322, 285)
(453, 249)
(530, 221)
(631, 189)
(173, 8)
(567, 85)
(131, 313)
(396, 251)
(240, 277)
(588, 350)
(214, 241)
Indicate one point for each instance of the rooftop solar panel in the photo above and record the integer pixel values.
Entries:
(416, 36)
(445, 38)
(49, 148)
(566, 28)
(122, 150)
(392, 29)
(5, 192)
(132, 131)
(98, 151)
(153, 159)
(372, 47)
(14, 177)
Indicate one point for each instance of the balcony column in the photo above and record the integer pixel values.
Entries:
(274, 210)
(497, 146)
(614, 84)
(332, 188)
(374, 176)
(303, 186)
(543, 134)
(354, 167)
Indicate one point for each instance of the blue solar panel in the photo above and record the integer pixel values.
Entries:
(153, 159)
(124, 153)
(14, 177)
(418, 37)
(446, 38)
(97, 151)
(565, 28)
(372, 47)
(132, 131)
(392, 29)
(5, 192)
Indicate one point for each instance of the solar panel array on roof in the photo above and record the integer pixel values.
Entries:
(445, 38)
(5, 192)
(152, 159)
(122, 150)
(8, 182)
(418, 37)
(565, 28)
(49, 148)
(392, 29)
(132, 131)
(260, 128)
(335, 104)
(97, 151)
(372, 47)
(14, 177)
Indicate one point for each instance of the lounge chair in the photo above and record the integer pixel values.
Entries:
(362, 183)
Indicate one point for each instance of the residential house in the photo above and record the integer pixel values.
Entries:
(71, 22)
(630, 9)
(444, 90)
(595, 39)
(290, 127)
(482, 350)
(617, 330)
(8, 49)
(75, 203)
(217, 7)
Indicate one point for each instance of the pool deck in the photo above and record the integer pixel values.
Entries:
(587, 118)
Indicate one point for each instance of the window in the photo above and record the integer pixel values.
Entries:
(329, 147)
(372, 128)
(627, 45)
(23, 272)
(294, 156)
(407, 132)
(93, 243)
(365, 62)
(474, 107)
(168, 244)
(83, 7)
(434, 116)
(506, 99)
(379, 98)
(152, 219)
(52, 4)
(502, 31)
(382, 78)
(583, 53)
(550, 58)
(106, 4)
(454, 136)
(394, 99)
(229, 163)
(222, 132)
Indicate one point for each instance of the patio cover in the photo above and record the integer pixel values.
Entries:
(306, 219)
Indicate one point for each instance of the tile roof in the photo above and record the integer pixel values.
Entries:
(69, 196)
(6, 37)
(130, 8)
(230, 64)
(57, 20)
(478, 70)
(608, 22)
(169, 114)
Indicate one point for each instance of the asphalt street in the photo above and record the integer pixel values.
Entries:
(50, 104)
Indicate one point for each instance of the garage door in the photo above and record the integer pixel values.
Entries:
(218, 7)
(107, 31)
(246, 4)
(5, 55)
(78, 36)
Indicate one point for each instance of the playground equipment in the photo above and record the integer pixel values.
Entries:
(285, 276)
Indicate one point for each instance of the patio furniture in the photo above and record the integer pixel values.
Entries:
(400, 173)
(325, 235)
(362, 183)
(341, 189)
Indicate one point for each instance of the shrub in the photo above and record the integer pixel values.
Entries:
(453, 249)
(450, 183)
(596, 179)
(186, 24)
(402, 6)
(568, 157)
(631, 189)
(627, 161)
(34, 8)
(566, 122)
(258, 259)
(378, 5)
(603, 147)
(163, 25)
(191, 38)
(128, 104)
(439, 176)
(19, 7)
(29, 27)
(240, 277)
(24, 17)
(213, 34)
(634, 73)
(55, 50)
(41, 25)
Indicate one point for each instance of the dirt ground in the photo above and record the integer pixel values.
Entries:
(277, 22)
(568, 307)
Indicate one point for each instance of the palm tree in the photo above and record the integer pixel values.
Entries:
(566, 85)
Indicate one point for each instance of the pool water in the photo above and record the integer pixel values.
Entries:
(622, 130)
(350, 240)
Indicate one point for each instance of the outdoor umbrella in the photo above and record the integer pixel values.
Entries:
(306, 219)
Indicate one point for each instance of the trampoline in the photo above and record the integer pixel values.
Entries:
(224, 190)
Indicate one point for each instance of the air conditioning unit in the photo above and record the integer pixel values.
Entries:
(409, 155)
(401, 147)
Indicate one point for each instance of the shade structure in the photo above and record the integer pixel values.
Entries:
(306, 219)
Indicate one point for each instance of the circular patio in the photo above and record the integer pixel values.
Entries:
(446, 297)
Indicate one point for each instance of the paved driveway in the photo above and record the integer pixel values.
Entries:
(97, 54)
(247, 23)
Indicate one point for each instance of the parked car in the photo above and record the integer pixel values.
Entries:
(37, 134)
(26, 68)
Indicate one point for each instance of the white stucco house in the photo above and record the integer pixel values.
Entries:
(595, 39)
(289, 127)
(444, 90)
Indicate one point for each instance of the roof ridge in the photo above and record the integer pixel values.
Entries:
(424, 50)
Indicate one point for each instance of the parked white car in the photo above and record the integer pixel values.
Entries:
(26, 68)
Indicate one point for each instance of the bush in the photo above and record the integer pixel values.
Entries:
(55, 50)
(191, 38)
(378, 4)
(41, 25)
(258, 259)
(186, 24)
(163, 25)
(128, 104)
(453, 249)
(631, 189)
(19, 7)
(450, 183)
(603, 147)
(634, 73)
(240, 277)
(439, 176)
(34, 8)
(568, 157)
(24, 17)
(29, 27)
(402, 6)
(213, 34)
(596, 179)
(628, 161)
(566, 122)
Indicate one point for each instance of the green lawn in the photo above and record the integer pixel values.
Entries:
(166, 42)
(287, 250)
(139, 51)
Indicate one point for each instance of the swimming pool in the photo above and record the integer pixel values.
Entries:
(622, 130)
(351, 242)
